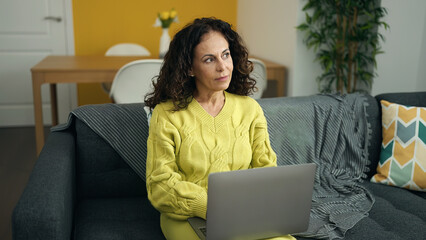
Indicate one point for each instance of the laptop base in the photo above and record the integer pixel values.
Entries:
(199, 226)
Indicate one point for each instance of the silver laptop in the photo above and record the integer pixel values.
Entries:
(257, 203)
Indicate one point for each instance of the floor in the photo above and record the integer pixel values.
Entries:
(17, 158)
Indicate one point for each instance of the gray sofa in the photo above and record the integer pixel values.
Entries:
(81, 188)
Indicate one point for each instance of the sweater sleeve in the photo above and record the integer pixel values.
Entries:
(263, 154)
(167, 190)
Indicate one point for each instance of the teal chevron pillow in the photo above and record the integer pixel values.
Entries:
(403, 154)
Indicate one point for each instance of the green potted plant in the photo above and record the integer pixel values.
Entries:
(344, 36)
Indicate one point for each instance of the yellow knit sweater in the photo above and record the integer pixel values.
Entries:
(186, 145)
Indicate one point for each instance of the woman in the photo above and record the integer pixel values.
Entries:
(197, 127)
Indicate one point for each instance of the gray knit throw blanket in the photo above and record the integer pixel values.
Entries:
(329, 130)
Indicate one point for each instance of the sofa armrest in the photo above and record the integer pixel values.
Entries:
(45, 208)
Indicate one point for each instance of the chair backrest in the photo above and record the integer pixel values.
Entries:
(259, 74)
(134, 80)
(127, 49)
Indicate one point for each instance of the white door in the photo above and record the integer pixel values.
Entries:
(29, 31)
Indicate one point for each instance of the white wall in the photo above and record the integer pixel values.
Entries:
(421, 77)
(305, 69)
(268, 28)
(402, 67)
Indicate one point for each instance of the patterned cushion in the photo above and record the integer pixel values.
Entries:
(403, 153)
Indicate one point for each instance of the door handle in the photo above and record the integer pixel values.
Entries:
(57, 19)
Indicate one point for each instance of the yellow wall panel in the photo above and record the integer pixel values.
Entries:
(99, 24)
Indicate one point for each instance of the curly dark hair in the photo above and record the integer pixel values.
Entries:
(174, 82)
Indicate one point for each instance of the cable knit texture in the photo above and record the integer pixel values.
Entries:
(185, 146)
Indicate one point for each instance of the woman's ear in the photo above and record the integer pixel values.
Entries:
(191, 73)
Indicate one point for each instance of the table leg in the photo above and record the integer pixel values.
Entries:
(280, 83)
(54, 104)
(278, 75)
(38, 112)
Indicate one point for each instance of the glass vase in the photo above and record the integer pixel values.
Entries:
(164, 42)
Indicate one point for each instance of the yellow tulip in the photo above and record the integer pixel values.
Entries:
(164, 15)
(173, 14)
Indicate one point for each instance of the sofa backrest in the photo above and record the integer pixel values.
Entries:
(374, 119)
(100, 170)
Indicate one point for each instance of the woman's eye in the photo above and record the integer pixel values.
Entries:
(226, 55)
(208, 60)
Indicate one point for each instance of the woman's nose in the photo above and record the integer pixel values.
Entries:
(220, 65)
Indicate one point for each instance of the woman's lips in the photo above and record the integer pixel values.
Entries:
(222, 78)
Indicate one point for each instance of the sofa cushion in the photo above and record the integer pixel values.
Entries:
(400, 199)
(403, 152)
(116, 219)
(396, 214)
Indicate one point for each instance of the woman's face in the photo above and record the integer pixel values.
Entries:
(212, 64)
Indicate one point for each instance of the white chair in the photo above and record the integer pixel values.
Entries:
(124, 49)
(134, 80)
(259, 74)
(127, 49)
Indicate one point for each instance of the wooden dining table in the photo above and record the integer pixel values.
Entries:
(53, 70)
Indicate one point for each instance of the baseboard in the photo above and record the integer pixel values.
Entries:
(22, 115)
